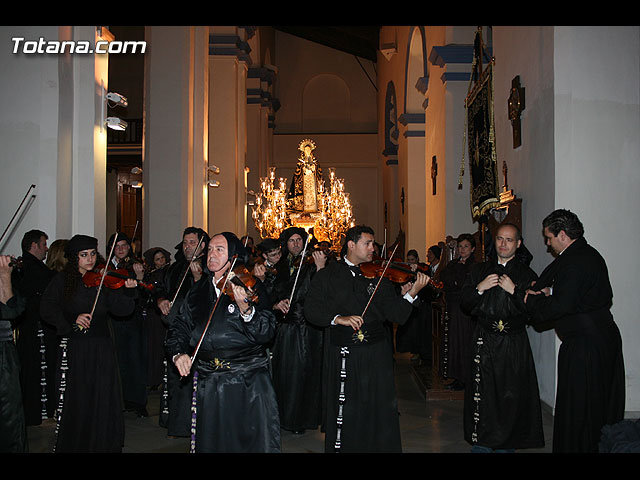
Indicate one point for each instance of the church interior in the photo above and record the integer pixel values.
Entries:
(218, 117)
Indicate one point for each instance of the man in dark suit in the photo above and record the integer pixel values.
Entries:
(574, 292)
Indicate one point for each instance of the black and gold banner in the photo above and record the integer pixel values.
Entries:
(485, 191)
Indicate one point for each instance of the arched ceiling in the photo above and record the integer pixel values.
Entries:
(360, 40)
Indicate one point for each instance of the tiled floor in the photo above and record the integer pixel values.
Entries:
(427, 426)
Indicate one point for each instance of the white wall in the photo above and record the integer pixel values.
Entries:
(528, 52)
(174, 153)
(28, 134)
(51, 137)
(579, 151)
(597, 167)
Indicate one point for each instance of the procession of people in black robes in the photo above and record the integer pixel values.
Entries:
(323, 362)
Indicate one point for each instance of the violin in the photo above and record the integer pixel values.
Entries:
(128, 262)
(396, 272)
(308, 258)
(15, 262)
(270, 269)
(241, 277)
(113, 279)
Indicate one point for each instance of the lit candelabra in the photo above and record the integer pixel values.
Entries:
(309, 204)
(270, 210)
(336, 215)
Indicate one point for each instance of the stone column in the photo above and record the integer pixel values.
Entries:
(53, 134)
(176, 133)
(228, 128)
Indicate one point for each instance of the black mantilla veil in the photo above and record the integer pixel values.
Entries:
(234, 247)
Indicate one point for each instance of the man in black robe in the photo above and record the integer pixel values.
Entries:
(179, 277)
(36, 341)
(129, 337)
(220, 339)
(575, 294)
(457, 341)
(502, 404)
(13, 430)
(264, 269)
(362, 408)
(297, 348)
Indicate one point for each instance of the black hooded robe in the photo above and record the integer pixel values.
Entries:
(236, 407)
(297, 354)
(502, 402)
(175, 404)
(456, 350)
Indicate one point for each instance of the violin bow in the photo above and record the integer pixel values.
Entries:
(135, 229)
(186, 271)
(104, 273)
(379, 280)
(384, 246)
(195, 352)
(16, 212)
(304, 250)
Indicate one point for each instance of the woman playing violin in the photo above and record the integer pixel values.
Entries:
(90, 419)
(236, 409)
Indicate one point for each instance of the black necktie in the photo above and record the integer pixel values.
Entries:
(355, 269)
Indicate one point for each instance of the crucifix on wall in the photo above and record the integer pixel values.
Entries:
(434, 173)
(516, 106)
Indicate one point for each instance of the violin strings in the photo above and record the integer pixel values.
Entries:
(193, 257)
(304, 250)
(379, 280)
(95, 302)
(195, 352)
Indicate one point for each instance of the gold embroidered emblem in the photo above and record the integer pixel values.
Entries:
(217, 363)
(359, 336)
(501, 326)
